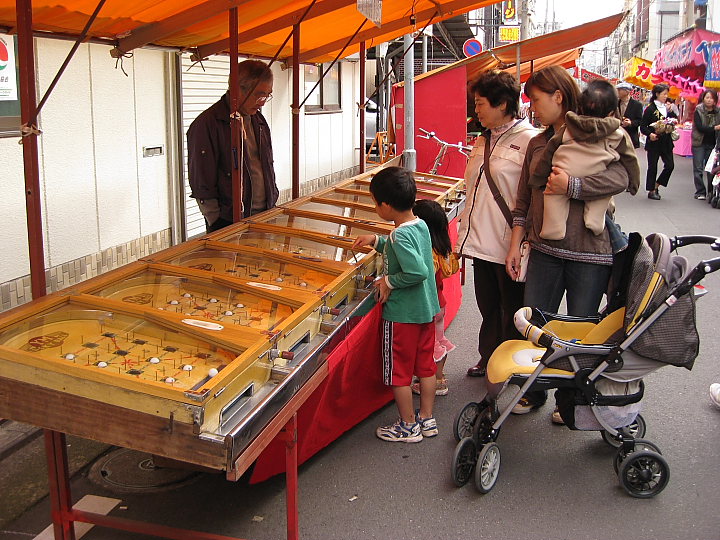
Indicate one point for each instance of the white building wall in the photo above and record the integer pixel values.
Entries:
(97, 189)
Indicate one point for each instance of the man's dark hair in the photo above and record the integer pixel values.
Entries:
(252, 72)
(499, 87)
(599, 99)
(394, 186)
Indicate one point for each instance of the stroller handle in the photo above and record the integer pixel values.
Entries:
(680, 241)
(529, 330)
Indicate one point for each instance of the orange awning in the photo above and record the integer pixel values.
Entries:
(554, 48)
(263, 24)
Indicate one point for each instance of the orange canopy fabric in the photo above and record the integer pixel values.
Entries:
(264, 25)
(554, 48)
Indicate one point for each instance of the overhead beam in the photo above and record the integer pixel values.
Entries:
(280, 23)
(449, 41)
(398, 25)
(152, 32)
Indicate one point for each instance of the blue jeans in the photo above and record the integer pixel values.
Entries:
(548, 278)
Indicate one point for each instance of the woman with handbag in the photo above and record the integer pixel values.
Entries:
(579, 265)
(706, 124)
(484, 233)
(656, 126)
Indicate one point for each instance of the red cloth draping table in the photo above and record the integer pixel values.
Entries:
(352, 391)
(683, 146)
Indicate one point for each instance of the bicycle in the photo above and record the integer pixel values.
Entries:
(430, 135)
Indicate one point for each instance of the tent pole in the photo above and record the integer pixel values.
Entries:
(28, 108)
(362, 107)
(296, 113)
(409, 154)
(235, 119)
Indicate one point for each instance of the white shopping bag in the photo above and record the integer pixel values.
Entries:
(711, 161)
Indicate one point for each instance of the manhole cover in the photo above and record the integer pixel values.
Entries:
(130, 471)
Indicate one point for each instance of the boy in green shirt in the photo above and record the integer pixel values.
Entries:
(409, 297)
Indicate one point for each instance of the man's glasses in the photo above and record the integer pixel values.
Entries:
(264, 98)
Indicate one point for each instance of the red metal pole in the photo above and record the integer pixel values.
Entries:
(362, 106)
(291, 473)
(296, 113)
(28, 106)
(59, 484)
(235, 120)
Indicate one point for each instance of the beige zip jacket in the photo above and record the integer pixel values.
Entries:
(483, 232)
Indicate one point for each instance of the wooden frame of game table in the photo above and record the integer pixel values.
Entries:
(201, 353)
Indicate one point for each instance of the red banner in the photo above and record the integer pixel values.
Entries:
(587, 76)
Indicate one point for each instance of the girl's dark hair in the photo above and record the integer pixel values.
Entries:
(599, 99)
(658, 89)
(552, 79)
(499, 87)
(436, 219)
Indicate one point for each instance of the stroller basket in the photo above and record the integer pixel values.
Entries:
(617, 403)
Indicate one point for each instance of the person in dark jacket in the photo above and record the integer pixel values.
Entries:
(659, 143)
(631, 111)
(706, 124)
(209, 151)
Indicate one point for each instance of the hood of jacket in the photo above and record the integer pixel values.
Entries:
(589, 128)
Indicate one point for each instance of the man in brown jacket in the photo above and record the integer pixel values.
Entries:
(211, 159)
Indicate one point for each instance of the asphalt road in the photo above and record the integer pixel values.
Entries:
(554, 483)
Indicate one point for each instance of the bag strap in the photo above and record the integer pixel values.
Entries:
(491, 183)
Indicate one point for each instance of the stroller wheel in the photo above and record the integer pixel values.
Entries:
(464, 460)
(487, 468)
(639, 444)
(482, 429)
(465, 420)
(636, 430)
(644, 474)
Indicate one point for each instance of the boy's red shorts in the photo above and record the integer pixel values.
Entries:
(407, 350)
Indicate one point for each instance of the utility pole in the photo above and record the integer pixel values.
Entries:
(524, 18)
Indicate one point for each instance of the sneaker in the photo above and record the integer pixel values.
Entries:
(428, 426)
(715, 394)
(556, 418)
(441, 387)
(700, 197)
(524, 406)
(400, 432)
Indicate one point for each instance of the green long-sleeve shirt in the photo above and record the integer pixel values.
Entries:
(408, 270)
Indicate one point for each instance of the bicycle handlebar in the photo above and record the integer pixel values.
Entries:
(431, 135)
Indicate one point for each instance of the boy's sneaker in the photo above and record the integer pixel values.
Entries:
(400, 432)
(428, 426)
(441, 387)
(715, 394)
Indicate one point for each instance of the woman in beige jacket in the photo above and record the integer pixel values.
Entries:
(484, 232)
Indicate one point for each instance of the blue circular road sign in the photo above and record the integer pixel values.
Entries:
(471, 47)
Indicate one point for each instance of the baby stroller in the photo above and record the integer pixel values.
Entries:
(596, 364)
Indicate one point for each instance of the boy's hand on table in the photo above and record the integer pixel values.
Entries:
(364, 240)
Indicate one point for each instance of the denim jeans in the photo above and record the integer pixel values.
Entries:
(548, 278)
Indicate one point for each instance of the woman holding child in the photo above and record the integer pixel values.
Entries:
(578, 264)
(484, 231)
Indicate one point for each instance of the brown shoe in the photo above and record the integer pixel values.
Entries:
(476, 371)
